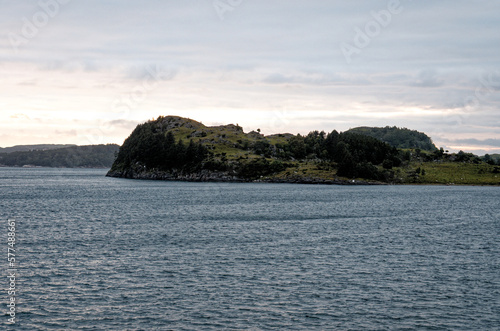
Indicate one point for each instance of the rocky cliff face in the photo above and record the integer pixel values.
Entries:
(201, 176)
(167, 123)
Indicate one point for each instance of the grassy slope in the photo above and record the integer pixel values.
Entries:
(435, 173)
(453, 173)
(223, 139)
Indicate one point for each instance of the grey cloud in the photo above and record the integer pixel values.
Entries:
(278, 79)
(475, 142)
(31, 82)
(126, 124)
(428, 78)
(263, 34)
(156, 71)
(317, 78)
(69, 65)
(70, 133)
(432, 56)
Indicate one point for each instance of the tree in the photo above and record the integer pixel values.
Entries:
(331, 141)
(297, 146)
(347, 166)
(261, 147)
(387, 164)
(488, 159)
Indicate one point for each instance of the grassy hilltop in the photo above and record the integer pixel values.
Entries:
(173, 147)
(398, 137)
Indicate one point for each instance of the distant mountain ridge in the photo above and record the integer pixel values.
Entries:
(91, 156)
(398, 137)
(30, 148)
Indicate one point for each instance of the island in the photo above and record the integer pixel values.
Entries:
(176, 148)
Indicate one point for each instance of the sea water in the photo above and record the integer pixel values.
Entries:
(101, 253)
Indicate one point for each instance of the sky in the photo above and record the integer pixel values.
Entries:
(88, 71)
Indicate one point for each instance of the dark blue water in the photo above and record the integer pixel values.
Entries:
(101, 253)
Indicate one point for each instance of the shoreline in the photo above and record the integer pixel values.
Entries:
(214, 177)
(225, 178)
(44, 167)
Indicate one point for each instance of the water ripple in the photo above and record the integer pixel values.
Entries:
(99, 253)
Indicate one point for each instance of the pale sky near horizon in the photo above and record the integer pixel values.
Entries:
(87, 72)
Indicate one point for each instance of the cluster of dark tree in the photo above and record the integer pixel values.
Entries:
(355, 155)
(260, 167)
(94, 156)
(158, 150)
(492, 159)
(461, 156)
(398, 137)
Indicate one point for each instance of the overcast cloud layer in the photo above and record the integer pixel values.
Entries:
(87, 72)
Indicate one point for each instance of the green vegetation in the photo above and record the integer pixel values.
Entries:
(94, 156)
(491, 159)
(458, 173)
(177, 148)
(439, 167)
(183, 146)
(398, 137)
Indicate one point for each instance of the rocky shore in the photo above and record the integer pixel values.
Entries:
(216, 176)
